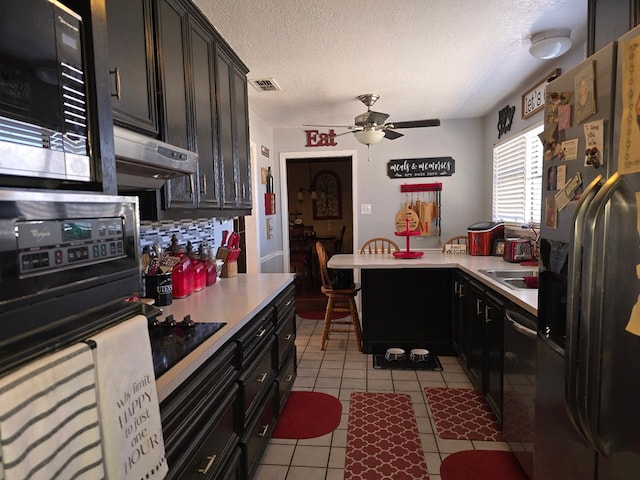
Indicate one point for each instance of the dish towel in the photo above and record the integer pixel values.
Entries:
(49, 419)
(132, 442)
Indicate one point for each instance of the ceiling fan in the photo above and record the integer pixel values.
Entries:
(369, 127)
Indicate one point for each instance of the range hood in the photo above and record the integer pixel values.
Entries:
(145, 163)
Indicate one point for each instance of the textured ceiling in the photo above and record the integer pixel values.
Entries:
(426, 58)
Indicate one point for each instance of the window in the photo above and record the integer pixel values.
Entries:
(517, 179)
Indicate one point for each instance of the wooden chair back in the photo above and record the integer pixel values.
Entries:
(323, 258)
(379, 245)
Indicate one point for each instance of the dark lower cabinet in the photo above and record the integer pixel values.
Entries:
(199, 420)
(218, 423)
(257, 433)
(406, 308)
(478, 337)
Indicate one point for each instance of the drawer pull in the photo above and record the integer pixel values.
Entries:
(261, 333)
(261, 378)
(116, 73)
(264, 431)
(288, 337)
(288, 378)
(289, 302)
(204, 470)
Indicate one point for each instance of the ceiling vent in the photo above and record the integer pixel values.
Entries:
(265, 85)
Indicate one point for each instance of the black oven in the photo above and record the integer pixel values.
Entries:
(68, 263)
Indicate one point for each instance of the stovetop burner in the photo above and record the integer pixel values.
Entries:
(171, 341)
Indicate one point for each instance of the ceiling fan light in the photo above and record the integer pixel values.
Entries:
(550, 44)
(369, 137)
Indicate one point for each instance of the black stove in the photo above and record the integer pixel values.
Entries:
(172, 340)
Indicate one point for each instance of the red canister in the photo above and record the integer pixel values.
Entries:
(183, 278)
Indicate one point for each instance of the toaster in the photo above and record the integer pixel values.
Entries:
(517, 250)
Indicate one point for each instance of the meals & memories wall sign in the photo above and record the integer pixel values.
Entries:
(421, 167)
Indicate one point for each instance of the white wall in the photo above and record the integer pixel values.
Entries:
(464, 199)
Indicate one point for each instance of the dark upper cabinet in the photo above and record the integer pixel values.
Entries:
(608, 20)
(201, 103)
(204, 96)
(233, 132)
(173, 37)
(241, 136)
(132, 64)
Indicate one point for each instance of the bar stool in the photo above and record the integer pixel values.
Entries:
(338, 300)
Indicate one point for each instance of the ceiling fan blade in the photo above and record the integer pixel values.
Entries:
(392, 135)
(370, 118)
(332, 126)
(433, 122)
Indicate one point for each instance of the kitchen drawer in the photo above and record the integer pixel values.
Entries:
(285, 303)
(254, 336)
(257, 434)
(255, 382)
(286, 377)
(193, 403)
(285, 339)
(212, 445)
(233, 470)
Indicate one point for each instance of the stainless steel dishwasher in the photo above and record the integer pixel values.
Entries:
(519, 383)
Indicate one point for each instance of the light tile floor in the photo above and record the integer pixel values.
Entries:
(340, 370)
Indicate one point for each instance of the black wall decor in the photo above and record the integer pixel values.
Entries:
(505, 119)
(421, 167)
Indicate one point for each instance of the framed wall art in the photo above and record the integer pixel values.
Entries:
(328, 206)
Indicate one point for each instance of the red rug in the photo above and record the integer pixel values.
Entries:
(462, 414)
(319, 314)
(383, 439)
(481, 465)
(308, 415)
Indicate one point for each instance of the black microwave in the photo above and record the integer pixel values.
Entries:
(44, 128)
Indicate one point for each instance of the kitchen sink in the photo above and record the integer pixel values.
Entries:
(511, 278)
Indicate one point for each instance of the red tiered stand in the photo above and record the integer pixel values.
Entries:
(407, 234)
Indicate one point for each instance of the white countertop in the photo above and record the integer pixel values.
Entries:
(235, 301)
(471, 264)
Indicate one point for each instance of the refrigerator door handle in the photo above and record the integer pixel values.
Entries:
(571, 353)
(591, 358)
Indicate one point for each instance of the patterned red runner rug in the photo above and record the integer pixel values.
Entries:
(319, 314)
(308, 415)
(462, 414)
(382, 439)
(481, 465)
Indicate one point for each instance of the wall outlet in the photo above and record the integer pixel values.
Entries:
(365, 209)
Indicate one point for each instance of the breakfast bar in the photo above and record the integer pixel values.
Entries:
(409, 303)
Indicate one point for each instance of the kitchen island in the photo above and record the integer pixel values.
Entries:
(409, 303)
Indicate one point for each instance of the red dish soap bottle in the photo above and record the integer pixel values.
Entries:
(182, 272)
(199, 271)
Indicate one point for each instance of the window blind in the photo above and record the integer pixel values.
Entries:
(517, 179)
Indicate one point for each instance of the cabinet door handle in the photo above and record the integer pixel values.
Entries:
(192, 184)
(487, 318)
(261, 333)
(203, 184)
(262, 377)
(288, 378)
(478, 306)
(244, 190)
(211, 459)
(460, 291)
(235, 190)
(288, 337)
(116, 73)
(264, 431)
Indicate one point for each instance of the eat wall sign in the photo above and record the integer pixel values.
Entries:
(317, 139)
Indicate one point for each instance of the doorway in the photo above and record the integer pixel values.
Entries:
(319, 194)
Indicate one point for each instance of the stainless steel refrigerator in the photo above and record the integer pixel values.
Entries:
(587, 416)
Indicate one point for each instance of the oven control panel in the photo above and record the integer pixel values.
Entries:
(53, 245)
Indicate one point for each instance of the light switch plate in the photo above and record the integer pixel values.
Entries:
(365, 209)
